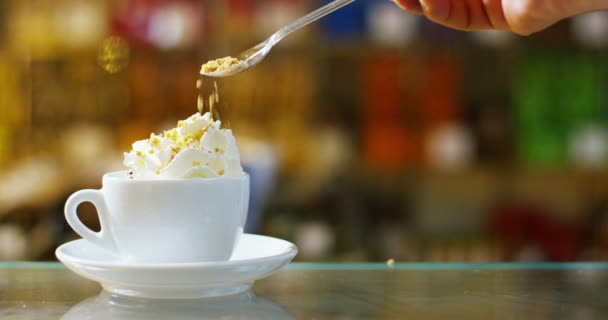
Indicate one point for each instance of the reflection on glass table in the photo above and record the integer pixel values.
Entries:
(332, 291)
(242, 306)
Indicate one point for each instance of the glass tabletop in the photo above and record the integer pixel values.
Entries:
(331, 291)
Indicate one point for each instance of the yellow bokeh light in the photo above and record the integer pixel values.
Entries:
(113, 55)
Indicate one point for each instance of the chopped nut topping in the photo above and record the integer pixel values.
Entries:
(221, 64)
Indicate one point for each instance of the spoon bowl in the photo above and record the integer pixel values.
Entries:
(253, 56)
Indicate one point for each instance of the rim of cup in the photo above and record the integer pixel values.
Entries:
(123, 176)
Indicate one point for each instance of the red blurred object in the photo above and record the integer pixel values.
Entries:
(518, 226)
(440, 92)
(242, 12)
(387, 142)
(134, 19)
(381, 85)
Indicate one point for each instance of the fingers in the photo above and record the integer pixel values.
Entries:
(479, 18)
(457, 14)
(496, 14)
(412, 6)
(440, 11)
(460, 14)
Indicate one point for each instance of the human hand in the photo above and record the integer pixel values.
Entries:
(523, 17)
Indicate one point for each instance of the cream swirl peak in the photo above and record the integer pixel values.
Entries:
(197, 148)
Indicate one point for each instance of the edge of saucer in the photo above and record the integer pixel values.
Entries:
(289, 253)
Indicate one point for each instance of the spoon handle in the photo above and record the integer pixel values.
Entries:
(309, 18)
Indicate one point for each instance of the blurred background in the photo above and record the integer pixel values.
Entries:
(372, 135)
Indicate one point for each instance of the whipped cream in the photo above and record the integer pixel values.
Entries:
(197, 148)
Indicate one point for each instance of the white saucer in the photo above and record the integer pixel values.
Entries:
(255, 257)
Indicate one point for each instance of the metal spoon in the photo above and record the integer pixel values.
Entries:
(251, 57)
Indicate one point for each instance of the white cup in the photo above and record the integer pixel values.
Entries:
(165, 221)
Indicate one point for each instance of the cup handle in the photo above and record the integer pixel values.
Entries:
(102, 238)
